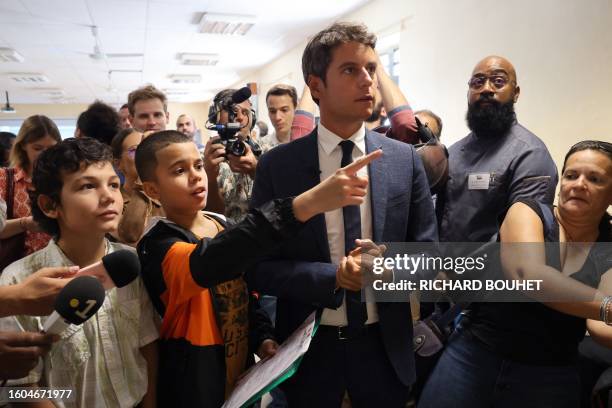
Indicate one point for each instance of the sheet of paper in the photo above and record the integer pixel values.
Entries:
(269, 370)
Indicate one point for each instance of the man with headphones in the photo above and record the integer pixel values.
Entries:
(231, 175)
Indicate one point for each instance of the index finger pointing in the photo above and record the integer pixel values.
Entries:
(361, 162)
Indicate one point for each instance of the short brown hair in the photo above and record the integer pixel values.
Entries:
(282, 89)
(32, 129)
(144, 93)
(318, 53)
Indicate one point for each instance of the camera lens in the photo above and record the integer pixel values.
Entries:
(237, 148)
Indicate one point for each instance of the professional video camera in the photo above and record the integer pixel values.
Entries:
(227, 100)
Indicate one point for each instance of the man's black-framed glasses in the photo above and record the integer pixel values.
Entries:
(478, 81)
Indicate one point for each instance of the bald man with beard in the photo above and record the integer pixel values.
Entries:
(499, 162)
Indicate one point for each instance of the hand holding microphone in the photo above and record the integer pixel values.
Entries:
(77, 302)
(84, 295)
(36, 294)
(116, 269)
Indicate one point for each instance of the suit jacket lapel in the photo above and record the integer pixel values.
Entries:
(378, 187)
(310, 176)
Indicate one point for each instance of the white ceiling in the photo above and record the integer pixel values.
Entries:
(55, 38)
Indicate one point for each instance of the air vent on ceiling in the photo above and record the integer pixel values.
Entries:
(10, 55)
(28, 78)
(185, 79)
(51, 92)
(189, 58)
(226, 24)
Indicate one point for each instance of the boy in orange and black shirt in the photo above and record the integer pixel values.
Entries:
(195, 281)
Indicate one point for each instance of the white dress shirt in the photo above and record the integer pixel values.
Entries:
(330, 157)
(100, 360)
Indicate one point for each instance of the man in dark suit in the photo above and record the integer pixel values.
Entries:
(361, 348)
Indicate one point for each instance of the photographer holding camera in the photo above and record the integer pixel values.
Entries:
(230, 159)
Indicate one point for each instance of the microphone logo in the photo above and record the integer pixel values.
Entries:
(84, 314)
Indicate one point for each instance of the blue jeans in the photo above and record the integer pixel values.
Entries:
(470, 375)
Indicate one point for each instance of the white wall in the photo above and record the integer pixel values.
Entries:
(562, 51)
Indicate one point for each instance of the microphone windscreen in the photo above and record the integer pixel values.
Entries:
(122, 266)
(241, 95)
(80, 299)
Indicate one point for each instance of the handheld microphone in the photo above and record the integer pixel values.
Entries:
(77, 302)
(241, 95)
(118, 269)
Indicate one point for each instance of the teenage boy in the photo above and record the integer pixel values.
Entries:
(195, 281)
(111, 359)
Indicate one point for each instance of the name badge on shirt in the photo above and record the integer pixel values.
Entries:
(479, 181)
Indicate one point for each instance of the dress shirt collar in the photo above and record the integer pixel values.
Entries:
(329, 140)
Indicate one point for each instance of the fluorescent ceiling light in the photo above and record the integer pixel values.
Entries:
(51, 92)
(185, 78)
(27, 78)
(10, 55)
(189, 58)
(176, 92)
(226, 24)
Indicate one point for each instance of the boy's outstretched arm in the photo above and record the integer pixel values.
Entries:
(231, 252)
(236, 248)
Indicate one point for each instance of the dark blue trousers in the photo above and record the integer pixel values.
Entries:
(359, 366)
(468, 375)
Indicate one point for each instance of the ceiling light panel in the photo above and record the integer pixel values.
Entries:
(226, 24)
(188, 58)
(175, 92)
(185, 79)
(10, 55)
(51, 92)
(27, 78)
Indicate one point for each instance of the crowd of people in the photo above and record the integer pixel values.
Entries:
(242, 236)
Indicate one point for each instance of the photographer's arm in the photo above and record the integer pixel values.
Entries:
(304, 119)
(214, 155)
(403, 123)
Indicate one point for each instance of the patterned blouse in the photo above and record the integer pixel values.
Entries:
(34, 240)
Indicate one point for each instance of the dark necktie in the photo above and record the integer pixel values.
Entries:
(356, 312)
